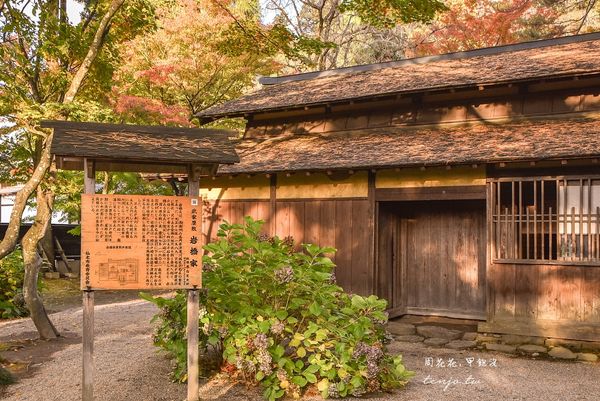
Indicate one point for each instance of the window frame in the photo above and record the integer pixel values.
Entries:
(555, 219)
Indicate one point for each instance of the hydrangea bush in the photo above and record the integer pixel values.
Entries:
(281, 321)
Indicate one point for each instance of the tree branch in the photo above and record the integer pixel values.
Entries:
(12, 232)
(95, 46)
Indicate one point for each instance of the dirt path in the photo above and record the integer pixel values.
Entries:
(129, 368)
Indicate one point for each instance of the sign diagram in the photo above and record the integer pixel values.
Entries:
(119, 272)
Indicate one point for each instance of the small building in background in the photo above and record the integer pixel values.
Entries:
(7, 200)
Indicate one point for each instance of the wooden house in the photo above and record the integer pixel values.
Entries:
(464, 185)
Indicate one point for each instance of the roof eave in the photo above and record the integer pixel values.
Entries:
(207, 117)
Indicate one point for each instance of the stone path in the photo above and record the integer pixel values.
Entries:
(439, 336)
(130, 369)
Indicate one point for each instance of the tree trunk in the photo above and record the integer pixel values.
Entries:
(31, 258)
(47, 243)
(33, 262)
(11, 237)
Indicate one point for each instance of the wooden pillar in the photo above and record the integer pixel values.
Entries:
(372, 227)
(273, 204)
(87, 387)
(193, 306)
(193, 302)
(88, 346)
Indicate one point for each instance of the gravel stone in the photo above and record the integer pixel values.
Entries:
(461, 344)
(484, 338)
(508, 349)
(570, 344)
(410, 339)
(532, 349)
(587, 357)
(562, 353)
(129, 368)
(439, 332)
(401, 329)
(470, 336)
(513, 339)
(436, 342)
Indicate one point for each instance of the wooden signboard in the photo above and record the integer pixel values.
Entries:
(140, 242)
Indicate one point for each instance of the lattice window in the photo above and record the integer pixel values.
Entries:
(545, 218)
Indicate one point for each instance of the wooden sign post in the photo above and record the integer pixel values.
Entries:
(193, 306)
(140, 242)
(87, 385)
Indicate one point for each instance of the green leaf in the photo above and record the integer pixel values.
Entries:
(296, 340)
(315, 309)
(279, 351)
(312, 369)
(299, 380)
(311, 378)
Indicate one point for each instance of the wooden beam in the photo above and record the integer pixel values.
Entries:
(544, 328)
(62, 254)
(465, 192)
(149, 129)
(89, 176)
(470, 315)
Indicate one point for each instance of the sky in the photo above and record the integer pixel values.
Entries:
(74, 10)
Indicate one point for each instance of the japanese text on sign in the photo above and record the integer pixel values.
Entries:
(140, 242)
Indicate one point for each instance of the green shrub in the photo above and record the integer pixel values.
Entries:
(5, 377)
(11, 284)
(282, 322)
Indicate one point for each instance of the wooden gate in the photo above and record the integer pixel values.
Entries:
(432, 258)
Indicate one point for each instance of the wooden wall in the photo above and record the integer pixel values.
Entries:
(343, 222)
(504, 104)
(551, 300)
(431, 177)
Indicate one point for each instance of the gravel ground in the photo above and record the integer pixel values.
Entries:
(129, 368)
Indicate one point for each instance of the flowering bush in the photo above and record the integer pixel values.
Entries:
(282, 322)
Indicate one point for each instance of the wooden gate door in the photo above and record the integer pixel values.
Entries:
(437, 258)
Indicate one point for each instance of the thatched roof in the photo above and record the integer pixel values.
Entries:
(552, 139)
(142, 143)
(554, 58)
